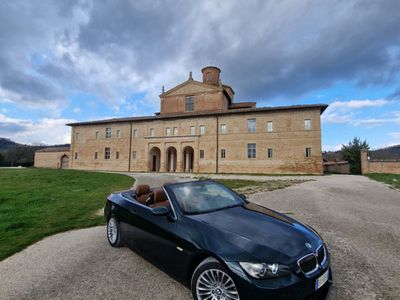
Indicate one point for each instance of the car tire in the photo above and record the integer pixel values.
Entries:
(211, 278)
(113, 231)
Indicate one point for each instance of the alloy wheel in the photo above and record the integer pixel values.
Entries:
(112, 230)
(214, 284)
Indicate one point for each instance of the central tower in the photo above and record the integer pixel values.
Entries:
(211, 75)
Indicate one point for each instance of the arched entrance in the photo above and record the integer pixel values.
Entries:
(154, 159)
(188, 157)
(171, 159)
(64, 162)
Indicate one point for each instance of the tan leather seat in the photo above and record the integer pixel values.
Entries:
(160, 198)
(142, 193)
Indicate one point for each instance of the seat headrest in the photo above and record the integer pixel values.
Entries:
(159, 196)
(142, 189)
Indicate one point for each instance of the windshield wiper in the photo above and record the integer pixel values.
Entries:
(221, 208)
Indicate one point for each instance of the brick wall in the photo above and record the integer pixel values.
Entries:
(50, 159)
(84, 147)
(206, 98)
(288, 140)
(378, 166)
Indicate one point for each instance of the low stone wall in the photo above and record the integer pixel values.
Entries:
(378, 166)
(339, 167)
(50, 159)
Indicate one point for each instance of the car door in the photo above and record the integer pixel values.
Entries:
(152, 236)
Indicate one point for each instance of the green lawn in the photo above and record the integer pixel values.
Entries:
(392, 179)
(35, 203)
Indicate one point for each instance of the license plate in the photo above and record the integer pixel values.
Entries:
(322, 280)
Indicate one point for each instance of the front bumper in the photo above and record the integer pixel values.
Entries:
(292, 287)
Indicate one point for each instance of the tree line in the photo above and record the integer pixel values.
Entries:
(14, 154)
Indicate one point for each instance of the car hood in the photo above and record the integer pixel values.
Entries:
(264, 234)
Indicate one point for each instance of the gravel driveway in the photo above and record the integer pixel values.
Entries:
(358, 218)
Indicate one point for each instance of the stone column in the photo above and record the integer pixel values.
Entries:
(163, 163)
(179, 157)
(172, 162)
(187, 161)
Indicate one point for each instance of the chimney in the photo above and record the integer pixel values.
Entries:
(211, 75)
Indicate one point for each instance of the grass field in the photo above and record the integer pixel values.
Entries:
(35, 203)
(392, 179)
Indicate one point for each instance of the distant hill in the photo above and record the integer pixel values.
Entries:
(392, 152)
(13, 154)
(7, 143)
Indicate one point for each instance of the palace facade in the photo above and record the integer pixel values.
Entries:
(201, 129)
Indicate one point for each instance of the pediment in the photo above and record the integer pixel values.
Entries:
(190, 87)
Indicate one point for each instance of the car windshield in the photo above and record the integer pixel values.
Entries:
(204, 196)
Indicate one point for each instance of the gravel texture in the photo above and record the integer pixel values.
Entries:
(358, 218)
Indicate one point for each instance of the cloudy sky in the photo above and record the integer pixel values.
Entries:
(63, 61)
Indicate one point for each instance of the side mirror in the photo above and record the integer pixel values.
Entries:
(243, 196)
(160, 211)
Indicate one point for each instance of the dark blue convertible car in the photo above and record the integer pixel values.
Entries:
(218, 243)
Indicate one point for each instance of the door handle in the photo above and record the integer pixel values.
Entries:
(133, 211)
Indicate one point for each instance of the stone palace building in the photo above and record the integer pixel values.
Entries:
(200, 128)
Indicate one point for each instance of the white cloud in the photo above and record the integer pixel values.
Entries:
(395, 138)
(348, 112)
(53, 107)
(357, 104)
(395, 135)
(331, 148)
(44, 131)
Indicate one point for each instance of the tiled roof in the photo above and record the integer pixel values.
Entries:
(54, 149)
(321, 107)
(242, 105)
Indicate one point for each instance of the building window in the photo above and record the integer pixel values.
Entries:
(251, 125)
(77, 136)
(133, 154)
(189, 103)
(209, 76)
(223, 128)
(108, 133)
(76, 155)
(308, 152)
(192, 130)
(167, 131)
(222, 153)
(118, 133)
(107, 153)
(97, 135)
(307, 124)
(251, 150)
(151, 131)
(269, 152)
(270, 126)
(175, 131)
(135, 134)
(117, 155)
(95, 155)
(201, 154)
(202, 130)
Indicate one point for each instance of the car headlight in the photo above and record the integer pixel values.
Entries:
(263, 270)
